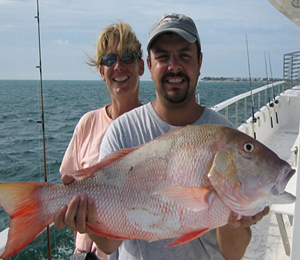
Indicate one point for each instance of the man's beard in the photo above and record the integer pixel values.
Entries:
(176, 99)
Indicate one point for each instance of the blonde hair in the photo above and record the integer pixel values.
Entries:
(118, 35)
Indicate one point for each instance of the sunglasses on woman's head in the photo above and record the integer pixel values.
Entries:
(109, 59)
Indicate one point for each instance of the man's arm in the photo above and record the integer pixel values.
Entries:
(234, 238)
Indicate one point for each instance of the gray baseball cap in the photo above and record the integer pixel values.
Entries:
(180, 24)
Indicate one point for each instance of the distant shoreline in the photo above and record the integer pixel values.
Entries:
(205, 79)
(238, 79)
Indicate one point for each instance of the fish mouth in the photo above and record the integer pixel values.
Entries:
(282, 181)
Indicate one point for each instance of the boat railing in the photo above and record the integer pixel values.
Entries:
(250, 101)
(291, 66)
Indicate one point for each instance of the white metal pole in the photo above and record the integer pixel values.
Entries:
(295, 255)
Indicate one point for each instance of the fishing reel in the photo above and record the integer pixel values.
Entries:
(83, 256)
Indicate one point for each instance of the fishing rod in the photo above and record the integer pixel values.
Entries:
(270, 103)
(42, 121)
(276, 101)
(254, 119)
(198, 92)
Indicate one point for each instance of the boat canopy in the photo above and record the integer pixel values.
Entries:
(290, 8)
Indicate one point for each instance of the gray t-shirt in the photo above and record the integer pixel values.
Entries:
(135, 128)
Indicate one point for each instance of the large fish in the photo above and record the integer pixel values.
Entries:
(179, 185)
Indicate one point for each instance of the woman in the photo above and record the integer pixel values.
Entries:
(119, 61)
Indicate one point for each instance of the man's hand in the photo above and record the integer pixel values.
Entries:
(234, 238)
(80, 210)
(246, 221)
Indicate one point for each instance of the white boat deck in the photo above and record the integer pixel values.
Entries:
(267, 243)
(282, 141)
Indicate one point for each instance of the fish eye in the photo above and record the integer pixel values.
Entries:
(248, 147)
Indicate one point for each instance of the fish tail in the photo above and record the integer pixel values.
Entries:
(22, 202)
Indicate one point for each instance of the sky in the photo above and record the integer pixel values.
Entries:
(69, 30)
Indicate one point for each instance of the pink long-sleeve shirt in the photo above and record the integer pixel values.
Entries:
(82, 152)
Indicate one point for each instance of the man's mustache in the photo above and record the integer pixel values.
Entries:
(178, 74)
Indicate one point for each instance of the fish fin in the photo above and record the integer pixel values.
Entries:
(97, 229)
(223, 171)
(194, 198)
(187, 238)
(223, 177)
(22, 204)
(89, 172)
(110, 158)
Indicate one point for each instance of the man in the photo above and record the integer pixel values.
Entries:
(174, 60)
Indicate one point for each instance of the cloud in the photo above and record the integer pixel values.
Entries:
(62, 42)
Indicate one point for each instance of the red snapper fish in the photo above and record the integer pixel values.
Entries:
(179, 185)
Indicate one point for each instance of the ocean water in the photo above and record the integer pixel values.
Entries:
(21, 148)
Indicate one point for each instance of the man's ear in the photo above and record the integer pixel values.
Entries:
(200, 62)
(200, 59)
(149, 63)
